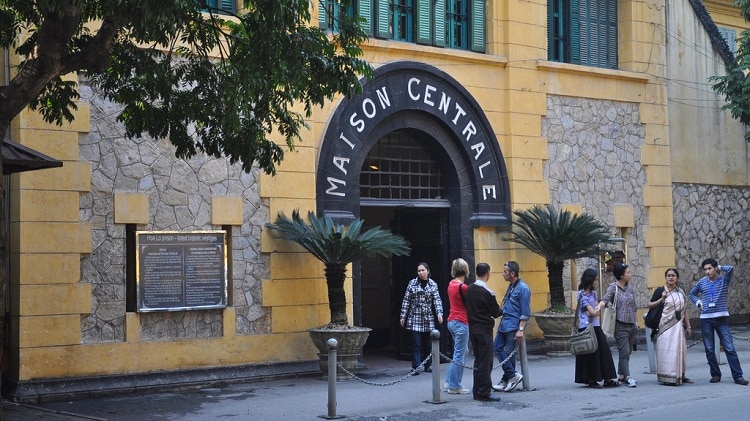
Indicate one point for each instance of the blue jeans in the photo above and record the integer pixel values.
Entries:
(721, 326)
(421, 346)
(505, 344)
(460, 333)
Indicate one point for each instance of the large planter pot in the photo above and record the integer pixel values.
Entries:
(350, 340)
(556, 328)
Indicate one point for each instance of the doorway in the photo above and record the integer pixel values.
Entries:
(384, 280)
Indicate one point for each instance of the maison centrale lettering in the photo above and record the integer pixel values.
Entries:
(418, 93)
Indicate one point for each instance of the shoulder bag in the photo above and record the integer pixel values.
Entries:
(609, 317)
(583, 342)
(653, 317)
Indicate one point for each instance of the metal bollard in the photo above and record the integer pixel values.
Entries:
(332, 365)
(435, 335)
(650, 350)
(524, 365)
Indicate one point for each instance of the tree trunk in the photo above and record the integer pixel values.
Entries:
(556, 289)
(335, 276)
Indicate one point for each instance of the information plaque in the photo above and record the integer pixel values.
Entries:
(181, 270)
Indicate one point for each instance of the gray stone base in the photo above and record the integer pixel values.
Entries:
(38, 391)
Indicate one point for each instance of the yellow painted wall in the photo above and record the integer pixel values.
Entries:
(510, 83)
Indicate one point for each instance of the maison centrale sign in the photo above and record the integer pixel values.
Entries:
(181, 270)
(411, 97)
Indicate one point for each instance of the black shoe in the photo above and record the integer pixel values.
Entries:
(486, 399)
(741, 381)
(428, 370)
(414, 372)
(715, 379)
(611, 383)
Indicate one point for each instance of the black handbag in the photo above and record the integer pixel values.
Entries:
(583, 342)
(653, 317)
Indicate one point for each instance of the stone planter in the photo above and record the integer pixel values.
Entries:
(556, 328)
(350, 339)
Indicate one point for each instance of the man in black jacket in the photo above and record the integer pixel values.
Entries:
(482, 309)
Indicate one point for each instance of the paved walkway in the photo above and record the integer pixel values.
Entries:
(551, 395)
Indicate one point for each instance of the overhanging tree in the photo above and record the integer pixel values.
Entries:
(222, 85)
(735, 85)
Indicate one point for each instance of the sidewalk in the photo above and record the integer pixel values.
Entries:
(552, 395)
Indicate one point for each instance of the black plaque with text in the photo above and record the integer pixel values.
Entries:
(181, 270)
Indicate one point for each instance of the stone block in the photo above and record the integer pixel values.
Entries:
(659, 175)
(56, 268)
(56, 144)
(73, 176)
(662, 256)
(661, 216)
(529, 192)
(131, 208)
(624, 216)
(657, 196)
(226, 210)
(46, 206)
(51, 237)
(659, 237)
(49, 330)
(300, 318)
(296, 266)
(288, 185)
(132, 327)
(41, 300)
(292, 292)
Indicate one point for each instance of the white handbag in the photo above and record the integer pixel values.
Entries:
(609, 317)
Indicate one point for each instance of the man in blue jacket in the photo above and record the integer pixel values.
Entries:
(710, 296)
(516, 308)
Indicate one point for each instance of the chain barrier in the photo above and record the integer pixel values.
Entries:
(512, 354)
(412, 373)
(740, 338)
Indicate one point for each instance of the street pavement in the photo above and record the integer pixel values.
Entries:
(384, 394)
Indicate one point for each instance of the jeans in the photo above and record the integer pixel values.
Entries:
(624, 338)
(721, 326)
(505, 344)
(420, 348)
(460, 333)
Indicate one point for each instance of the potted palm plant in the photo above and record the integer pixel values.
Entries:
(337, 245)
(557, 236)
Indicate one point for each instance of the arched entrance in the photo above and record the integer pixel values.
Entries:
(414, 154)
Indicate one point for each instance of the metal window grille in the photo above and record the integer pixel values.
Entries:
(398, 167)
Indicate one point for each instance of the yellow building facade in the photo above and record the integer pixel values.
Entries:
(443, 144)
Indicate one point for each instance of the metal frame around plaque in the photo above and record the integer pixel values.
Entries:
(181, 270)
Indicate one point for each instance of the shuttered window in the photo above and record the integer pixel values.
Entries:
(221, 6)
(451, 23)
(582, 32)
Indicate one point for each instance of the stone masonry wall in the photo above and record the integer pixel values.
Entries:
(594, 149)
(714, 221)
(180, 193)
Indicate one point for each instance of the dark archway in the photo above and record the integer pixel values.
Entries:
(430, 106)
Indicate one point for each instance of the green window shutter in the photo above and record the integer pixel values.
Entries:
(550, 30)
(323, 14)
(384, 27)
(364, 10)
(611, 41)
(574, 33)
(440, 22)
(227, 5)
(424, 22)
(477, 26)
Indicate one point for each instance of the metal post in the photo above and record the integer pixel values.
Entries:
(524, 364)
(650, 349)
(435, 335)
(332, 363)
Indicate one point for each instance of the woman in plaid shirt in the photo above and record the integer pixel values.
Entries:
(417, 315)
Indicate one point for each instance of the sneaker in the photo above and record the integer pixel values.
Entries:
(445, 386)
(459, 391)
(500, 387)
(631, 382)
(513, 382)
(740, 381)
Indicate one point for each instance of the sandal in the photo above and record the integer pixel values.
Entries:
(686, 380)
(594, 385)
(611, 383)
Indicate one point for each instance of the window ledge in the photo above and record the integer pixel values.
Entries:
(553, 66)
(418, 50)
